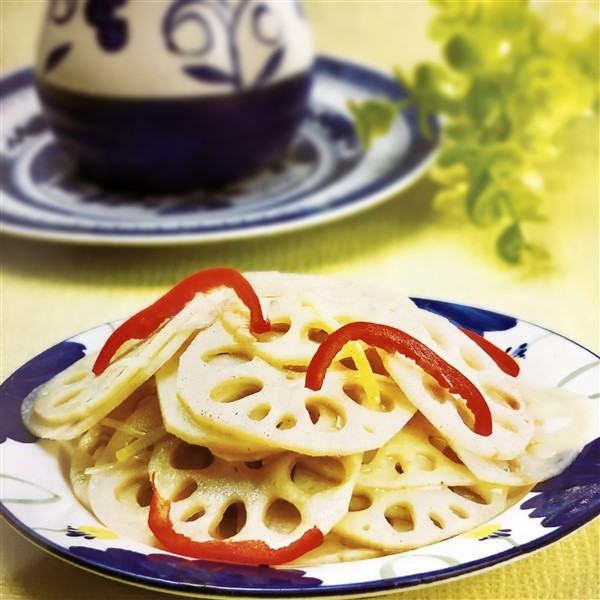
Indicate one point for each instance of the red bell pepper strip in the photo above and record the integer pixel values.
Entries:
(248, 552)
(148, 320)
(505, 361)
(394, 340)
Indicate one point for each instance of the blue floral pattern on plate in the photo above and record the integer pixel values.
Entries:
(46, 512)
(326, 175)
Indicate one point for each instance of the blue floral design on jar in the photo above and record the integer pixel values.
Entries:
(224, 22)
(112, 31)
(60, 12)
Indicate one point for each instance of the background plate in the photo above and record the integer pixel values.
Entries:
(37, 499)
(326, 174)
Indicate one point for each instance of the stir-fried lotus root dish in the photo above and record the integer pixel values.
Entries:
(272, 418)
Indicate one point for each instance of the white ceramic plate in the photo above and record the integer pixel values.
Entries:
(326, 175)
(38, 501)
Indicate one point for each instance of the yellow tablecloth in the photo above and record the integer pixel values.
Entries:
(51, 291)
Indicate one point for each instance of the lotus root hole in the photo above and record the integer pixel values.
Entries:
(316, 335)
(185, 490)
(254, 464)
(471, 359)
(368, 456)
(502, 397)
(232, 522)
(423, 462)
(374, 359)
(400, 517)
(435, 390)
(68, 396)
(436, 520)
(75, 377)
(359, 502)
(468, 493)
(132, 491)
(187, 457)
(235, 389)
(286, 422)
(293, 372)
(277, 330)
(437, 335)
(459, 511)
(317, 474)
(442, 445)
(356, 393)
(282, 516)
(97, 443)
(144, 493)
(348, 363)
(376, 362)
(259, 412)
(194, 515)
(398, 468)
(226, 357)
(324, 415)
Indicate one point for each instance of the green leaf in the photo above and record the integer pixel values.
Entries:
(456, 153)
(435, 90)
(488, 206)
(512, 244)
(461, 54)
(484, 99)
(372, 119)
(506, 87)
(478, 183)
(505, 161)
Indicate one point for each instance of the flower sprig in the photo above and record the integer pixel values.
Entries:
(512, 78)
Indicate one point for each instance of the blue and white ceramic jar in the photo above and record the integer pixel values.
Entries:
(167, 95)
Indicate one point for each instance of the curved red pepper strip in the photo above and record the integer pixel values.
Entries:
(394, 340)
(248, 552)
(505, 361)
(148, 320)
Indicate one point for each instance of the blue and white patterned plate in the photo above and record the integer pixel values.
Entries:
(326, 174)
(37, 499)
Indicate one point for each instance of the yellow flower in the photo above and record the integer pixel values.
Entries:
(484, 531)
(98, 532)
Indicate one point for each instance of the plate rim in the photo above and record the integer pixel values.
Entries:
(369, 198)
(350, 590)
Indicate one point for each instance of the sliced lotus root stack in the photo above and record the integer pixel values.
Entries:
(119, 488)
(512, 424)
(179, 422)
(223, 385)
(276, 500)
(564, 422)
(303, 309)
(76, 399)
(418, 455)
(395, 520)
(94, 441)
